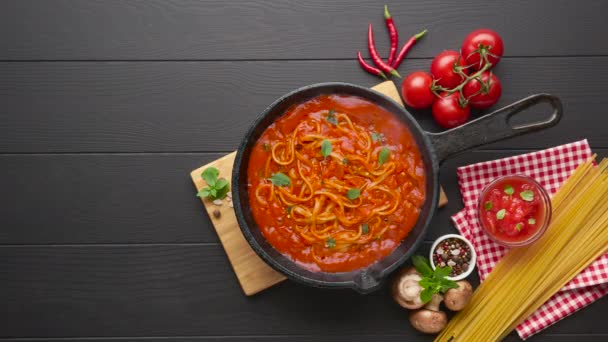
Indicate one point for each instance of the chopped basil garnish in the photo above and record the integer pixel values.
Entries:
(280, 179)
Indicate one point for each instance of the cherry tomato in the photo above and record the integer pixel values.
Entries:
(483, 94)
(442, 69)
(416, 90)
(448, 112)
(479, 43)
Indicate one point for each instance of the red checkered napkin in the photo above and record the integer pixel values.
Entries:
(550, 168)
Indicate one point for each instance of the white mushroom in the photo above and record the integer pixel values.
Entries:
(429, 319)
(406, 290)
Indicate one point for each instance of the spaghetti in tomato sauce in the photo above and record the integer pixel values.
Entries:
(336, 183)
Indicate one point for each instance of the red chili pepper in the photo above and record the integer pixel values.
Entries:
(393, 34)
(408, 45)
(372, 70)
(371, 44)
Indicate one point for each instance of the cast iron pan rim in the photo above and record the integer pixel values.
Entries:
(379, 276)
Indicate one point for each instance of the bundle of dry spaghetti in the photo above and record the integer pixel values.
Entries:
(526, 277)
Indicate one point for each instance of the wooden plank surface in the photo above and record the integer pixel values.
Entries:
(161, 290)
(190, 107)
(292, 29)
(75, 203)
(105, 106)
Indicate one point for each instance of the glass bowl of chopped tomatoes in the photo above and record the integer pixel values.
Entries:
(514, 210)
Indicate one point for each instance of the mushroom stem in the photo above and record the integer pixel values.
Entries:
(434, 303)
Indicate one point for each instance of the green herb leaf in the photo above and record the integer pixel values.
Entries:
(203, 193)
(365, 228)
(280, 179)
(288, 209)
(422, 265)
(326, 148)
(501, 214)
(447, 284)
(221, 183)
(218, 188)
(509, 189)
(442, 272)
(330, 242)
(519, 226)
(266, 147)
(353, 193)
(427, 294)
(210, 175)
(331, 117)
(532, 221)
(383, 155)
(527, 195)
(221, 193)
(488, 205)
(425, 283)
(345, 161)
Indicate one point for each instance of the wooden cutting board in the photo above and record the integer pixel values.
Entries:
(253, 274)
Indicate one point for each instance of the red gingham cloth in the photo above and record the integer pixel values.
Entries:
(550, 168)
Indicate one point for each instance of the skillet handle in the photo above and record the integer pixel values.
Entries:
(493, 127)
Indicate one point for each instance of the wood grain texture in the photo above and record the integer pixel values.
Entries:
(163, 290)
(137, 198)
(314, 338)
(293, 29)
(191, 106)
(253, 273)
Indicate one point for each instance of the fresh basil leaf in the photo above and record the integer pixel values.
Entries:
(213, 193)
(365, 228)
(221, 193)
(331, 117)
(425, 283)
(527, 195)
(330, 242)
(488, 205)
(519, 226)
(426, 295)
(280, 179)
(447, 284)
(221, 183)
(353, 193)
(501, 214)
(442, 272)
(210, 175)
(532, 221)
(422, 265)
(326, 148)
(383, 155)
(203, 193)
(509, 189)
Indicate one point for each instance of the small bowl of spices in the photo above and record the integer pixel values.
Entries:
(455, 251)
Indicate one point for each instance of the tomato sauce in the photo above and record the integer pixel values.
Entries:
(513, 210)
(408, 181)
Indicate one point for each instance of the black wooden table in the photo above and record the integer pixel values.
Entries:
(107, 106)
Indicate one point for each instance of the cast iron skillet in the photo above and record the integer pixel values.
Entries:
(434, 148)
